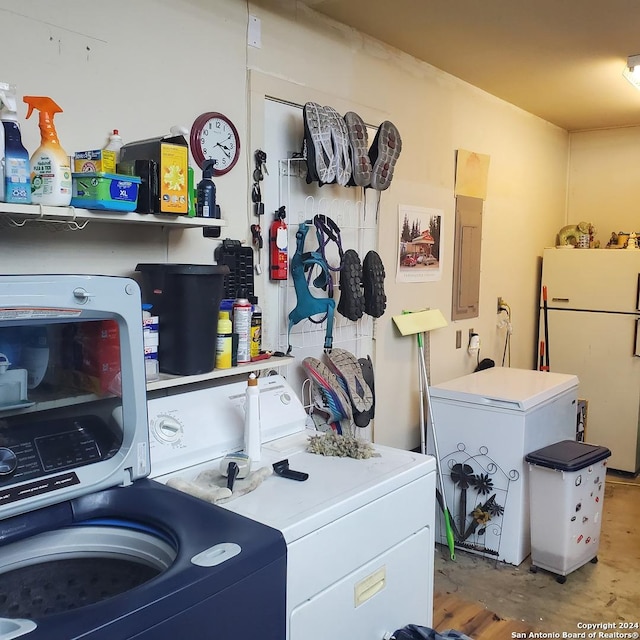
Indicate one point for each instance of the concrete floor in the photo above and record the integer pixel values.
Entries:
(608, 591)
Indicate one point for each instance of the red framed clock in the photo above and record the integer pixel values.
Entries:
(215, 137)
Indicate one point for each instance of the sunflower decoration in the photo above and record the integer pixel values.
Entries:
(462, 475)
(483, 483)
(480, 515)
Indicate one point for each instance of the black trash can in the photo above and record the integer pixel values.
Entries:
(186, 297)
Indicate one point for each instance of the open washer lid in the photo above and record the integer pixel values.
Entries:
(80, 340)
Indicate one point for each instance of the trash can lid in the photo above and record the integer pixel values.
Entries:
(568, 455)
(186, 269)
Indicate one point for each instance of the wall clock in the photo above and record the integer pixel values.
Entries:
(215, 137)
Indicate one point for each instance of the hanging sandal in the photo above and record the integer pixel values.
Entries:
(362, 418)
(346, 366)
(375, 300)
(337, 399)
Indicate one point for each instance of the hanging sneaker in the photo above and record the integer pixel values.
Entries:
(340, 141)
(358, 150)
(319, 145)
(351, 303)
(375, 300)
(384, 153)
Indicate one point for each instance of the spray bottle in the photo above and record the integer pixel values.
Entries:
(50, 169)
(15, 180)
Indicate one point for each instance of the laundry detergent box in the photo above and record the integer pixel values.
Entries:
(96, 160)
(108, 191)
(170, 156)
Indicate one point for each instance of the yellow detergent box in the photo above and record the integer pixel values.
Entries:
(95, 161)
(170, 156)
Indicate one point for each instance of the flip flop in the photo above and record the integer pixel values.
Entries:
(351, 303)
(317, 134)
(384, 153)
(375, 300)
(362, 419)
(345, 365)
(340, 138)
(358, 149)
(336, 398)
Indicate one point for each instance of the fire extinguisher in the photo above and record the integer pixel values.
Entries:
(278, 260)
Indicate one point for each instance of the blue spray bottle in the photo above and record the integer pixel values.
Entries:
(15, 161)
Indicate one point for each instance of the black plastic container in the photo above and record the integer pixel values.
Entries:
(186, 297)
(568, 455)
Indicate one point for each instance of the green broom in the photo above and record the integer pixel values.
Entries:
(419, 323)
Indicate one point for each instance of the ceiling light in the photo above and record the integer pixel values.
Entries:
(632, 70)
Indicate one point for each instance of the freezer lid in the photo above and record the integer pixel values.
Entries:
(506, 388)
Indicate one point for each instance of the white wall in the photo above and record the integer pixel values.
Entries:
(146, 65)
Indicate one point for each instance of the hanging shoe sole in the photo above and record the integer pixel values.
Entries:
(359, 150)
(375, 300)
(337, 399)
(319, 144)
(340, 140)
(384, 154)
(351, 303)
(363, 418)
(345, 365)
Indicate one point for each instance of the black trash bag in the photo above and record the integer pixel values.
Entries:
(415, 632)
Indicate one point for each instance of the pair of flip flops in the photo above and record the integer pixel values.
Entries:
(347, 385)
(337, 149)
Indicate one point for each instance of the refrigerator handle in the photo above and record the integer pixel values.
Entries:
(636, 350)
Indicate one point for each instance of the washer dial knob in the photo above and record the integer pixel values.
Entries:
(166, 428)
(8, 461)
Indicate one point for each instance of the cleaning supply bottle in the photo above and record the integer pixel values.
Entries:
(224, 341)
(206, 192)
(115, 144)
(252, 437)
(50, 169)
(242, 325)
(14, 159)
(256, 327)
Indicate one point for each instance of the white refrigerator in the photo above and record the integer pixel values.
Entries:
(486, 423)
(593, 314)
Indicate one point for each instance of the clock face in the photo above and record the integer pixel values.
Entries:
(214, 137)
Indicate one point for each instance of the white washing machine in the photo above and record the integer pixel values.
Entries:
(359, 533)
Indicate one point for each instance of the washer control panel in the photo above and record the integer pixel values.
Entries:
(193, 427)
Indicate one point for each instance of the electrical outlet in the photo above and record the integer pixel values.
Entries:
(500, 304)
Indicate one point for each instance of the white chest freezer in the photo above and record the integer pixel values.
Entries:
(486, 422)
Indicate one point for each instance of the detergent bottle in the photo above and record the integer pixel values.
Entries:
(50, 169)
(14, 159)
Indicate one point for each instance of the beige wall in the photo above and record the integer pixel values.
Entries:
(146, 65)
(604, 180)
